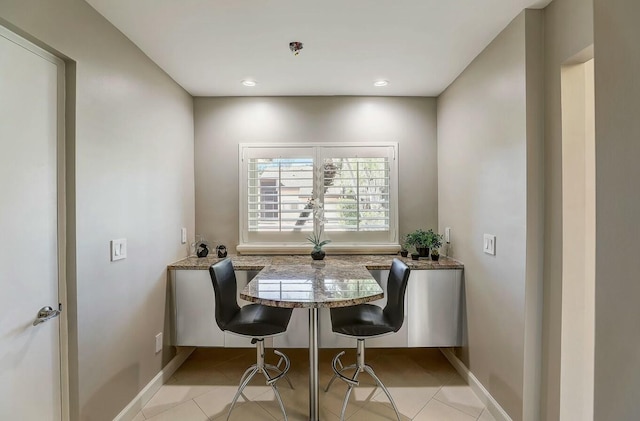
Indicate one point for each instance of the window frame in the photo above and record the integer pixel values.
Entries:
(283, 243)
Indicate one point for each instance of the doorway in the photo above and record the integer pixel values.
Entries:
(33, 340)
(578, 241)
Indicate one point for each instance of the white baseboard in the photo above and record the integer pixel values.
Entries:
(483, 394)
(145, 395)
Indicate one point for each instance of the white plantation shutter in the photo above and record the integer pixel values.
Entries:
(357, 185)
(278, 191)
(359, 193)
(276, 185)
(357, 196)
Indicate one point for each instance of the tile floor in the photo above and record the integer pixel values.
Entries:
(422, 382)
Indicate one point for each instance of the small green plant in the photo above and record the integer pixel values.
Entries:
(420, 238)
(316, 241)
(404, 247)
(403, 243)
(435, 241)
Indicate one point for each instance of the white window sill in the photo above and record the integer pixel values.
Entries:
(302, 248)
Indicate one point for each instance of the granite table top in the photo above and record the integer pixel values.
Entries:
(312, 285)
(370, 261)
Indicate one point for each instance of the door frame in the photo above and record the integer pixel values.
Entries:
(577, 316)
(61, 209)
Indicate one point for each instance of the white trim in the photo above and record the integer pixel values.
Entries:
(483, 394)
(62, 241)
(28, 45)
(334, 248)
(135, 406)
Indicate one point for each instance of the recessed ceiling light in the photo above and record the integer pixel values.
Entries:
(249, 82)
(381, 83)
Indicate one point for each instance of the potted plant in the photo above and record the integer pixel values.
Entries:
(404, 250)
(316, 237)
(317, 253)
(434, 245)
(421, 240)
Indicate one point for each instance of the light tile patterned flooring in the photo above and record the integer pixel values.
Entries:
(423, 384)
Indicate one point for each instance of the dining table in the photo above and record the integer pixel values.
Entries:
(313, 286)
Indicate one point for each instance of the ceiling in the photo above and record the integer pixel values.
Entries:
(210, 46)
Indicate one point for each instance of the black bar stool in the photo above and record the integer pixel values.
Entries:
(369, 321)
(254, 321)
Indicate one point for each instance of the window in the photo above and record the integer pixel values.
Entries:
(357, 185)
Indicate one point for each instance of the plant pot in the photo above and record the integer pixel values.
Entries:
(435, 257)
(317, 254)
(415, 256)
(404, 253)
(423, 251)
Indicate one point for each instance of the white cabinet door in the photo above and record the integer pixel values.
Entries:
(433, 304)
(297, 335)
(432, 314)
(195, 310)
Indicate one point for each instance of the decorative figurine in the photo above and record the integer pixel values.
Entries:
(221, 250)
(203, 251)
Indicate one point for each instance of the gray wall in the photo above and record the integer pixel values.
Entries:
(222, 123)
(568, 31)
(617, 65)
(489, 160)
(133, 164)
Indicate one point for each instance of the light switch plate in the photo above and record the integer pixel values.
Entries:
(447, 235)
(118, 249)
(183, 235)
(158, 342)
(489, 246)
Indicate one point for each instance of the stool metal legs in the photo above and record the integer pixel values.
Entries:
(359, 366)
(261, 367)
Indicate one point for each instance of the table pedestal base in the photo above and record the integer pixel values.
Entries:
(313, 365)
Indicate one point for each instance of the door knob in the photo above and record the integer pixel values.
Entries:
(46, 313)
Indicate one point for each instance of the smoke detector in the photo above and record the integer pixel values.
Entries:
(295, 47)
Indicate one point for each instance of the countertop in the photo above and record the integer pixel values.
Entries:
(371, 262)
(312, 285)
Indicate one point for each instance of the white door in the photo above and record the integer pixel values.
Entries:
(30, 364)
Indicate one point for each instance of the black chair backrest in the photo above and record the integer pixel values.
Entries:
(225, 288)
(396, 288)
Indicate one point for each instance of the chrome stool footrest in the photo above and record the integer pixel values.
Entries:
(337, 372)
(360, 366)
(261, 367)
(283, 373)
